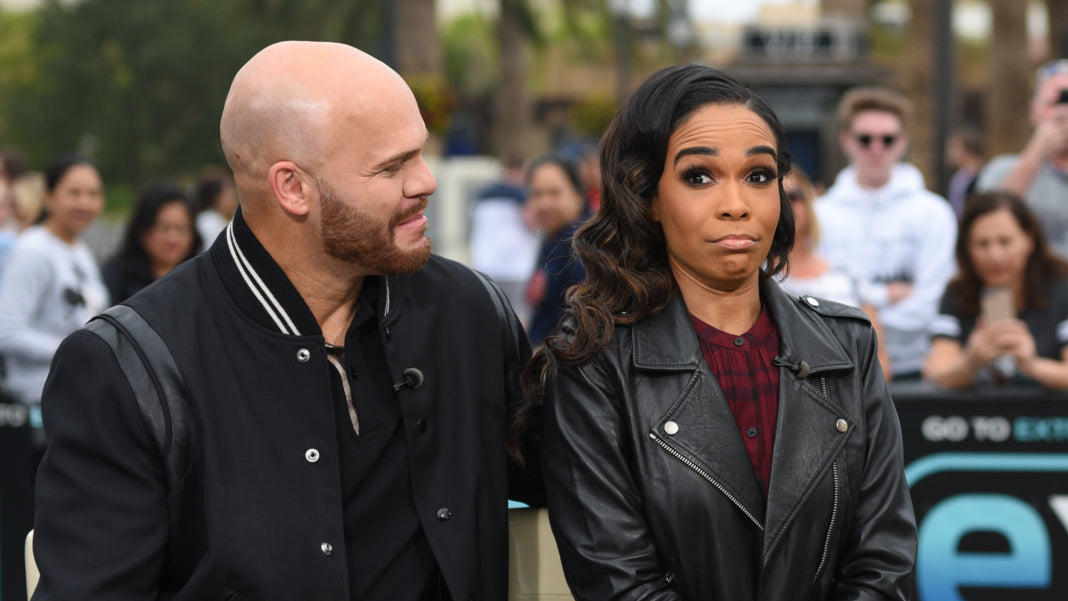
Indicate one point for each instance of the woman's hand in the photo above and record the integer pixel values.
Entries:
(981, 348)
(1013, 338)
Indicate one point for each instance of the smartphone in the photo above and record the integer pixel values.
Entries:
(1063, 98)
(997, 304)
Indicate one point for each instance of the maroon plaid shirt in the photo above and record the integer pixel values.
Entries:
(742, 367)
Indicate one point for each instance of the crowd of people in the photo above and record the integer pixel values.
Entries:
(321, 362)
(52, 284)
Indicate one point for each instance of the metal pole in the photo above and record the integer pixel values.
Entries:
(945, 85)
(389, 34)
(622, 56)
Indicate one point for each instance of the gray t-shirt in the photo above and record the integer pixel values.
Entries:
(1047, 197)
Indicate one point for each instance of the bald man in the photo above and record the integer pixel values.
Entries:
(341, 414)
(1039, 173)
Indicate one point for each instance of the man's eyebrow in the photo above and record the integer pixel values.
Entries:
(400, 157)
(701, 150)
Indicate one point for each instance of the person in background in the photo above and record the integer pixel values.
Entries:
(966, 154)
(215, 203)
(1039, 173)
(51, 284)
(880, 223)
(558, 207)
(159, 236)
(706, 437)
(504, 245)
(589, 169)
(1002, 246)
(810, 273)
(12, 167)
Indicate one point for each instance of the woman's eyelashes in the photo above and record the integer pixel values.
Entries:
(701, 176)
(697, 176)
(762, 175)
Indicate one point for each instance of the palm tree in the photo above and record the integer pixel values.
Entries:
(418, 51)
(848, 8)
(1058, 27)
(513, 108)
(919, 85)
(1009, 86)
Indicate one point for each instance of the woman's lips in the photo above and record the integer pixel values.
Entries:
(735, 242)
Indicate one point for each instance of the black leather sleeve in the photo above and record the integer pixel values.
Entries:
(879, 560)
(594, 505)
(101, 522)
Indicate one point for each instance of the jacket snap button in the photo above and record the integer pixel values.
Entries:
(303, 355)
(444, 514)
(312, 455)
(812, 301)
(671, 428)
(842, 425)
(327, 548)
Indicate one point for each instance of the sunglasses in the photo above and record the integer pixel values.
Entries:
(865, 140)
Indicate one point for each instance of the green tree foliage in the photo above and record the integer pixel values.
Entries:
(138, 85)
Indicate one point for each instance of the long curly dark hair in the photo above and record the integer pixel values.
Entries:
(622, 247)
(1043, 267)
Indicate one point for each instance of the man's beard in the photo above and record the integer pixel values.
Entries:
(356, 237)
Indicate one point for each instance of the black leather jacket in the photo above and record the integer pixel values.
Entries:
(652, 494)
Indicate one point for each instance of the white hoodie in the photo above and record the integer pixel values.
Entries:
(900, 232)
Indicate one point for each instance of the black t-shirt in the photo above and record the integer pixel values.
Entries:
(389, 557)
(1048, 325)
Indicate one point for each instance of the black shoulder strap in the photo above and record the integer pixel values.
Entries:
(500, 301)
(153, 375)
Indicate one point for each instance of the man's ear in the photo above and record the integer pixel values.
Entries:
(291, 186)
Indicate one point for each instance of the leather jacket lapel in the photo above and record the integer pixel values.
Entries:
(697, 426)
(806, 449)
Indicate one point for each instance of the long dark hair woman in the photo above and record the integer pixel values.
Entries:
(558, 207)
(1004, 318)
(159, 236)
(704, 435)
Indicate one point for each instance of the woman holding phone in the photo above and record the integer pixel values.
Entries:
(1004, 318)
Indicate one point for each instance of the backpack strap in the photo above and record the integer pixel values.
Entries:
(153, 375)
(500, 302)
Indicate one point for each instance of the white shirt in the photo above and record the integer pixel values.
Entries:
(49, 289)
(900, 232)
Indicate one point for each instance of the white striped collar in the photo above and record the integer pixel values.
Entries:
(259, 289)
(264, 291)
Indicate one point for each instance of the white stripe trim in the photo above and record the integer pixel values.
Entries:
(245, 268)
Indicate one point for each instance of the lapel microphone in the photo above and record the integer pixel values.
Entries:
(411, 378)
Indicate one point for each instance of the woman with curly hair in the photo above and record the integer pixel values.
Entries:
(705, 436)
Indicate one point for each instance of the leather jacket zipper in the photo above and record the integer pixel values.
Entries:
(708, 477)
(830, 528)
(823, 387)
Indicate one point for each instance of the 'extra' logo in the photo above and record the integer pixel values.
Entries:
(991, 525)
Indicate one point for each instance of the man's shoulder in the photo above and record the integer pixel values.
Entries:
(995, 171)
(441, 276)
(180, 291)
